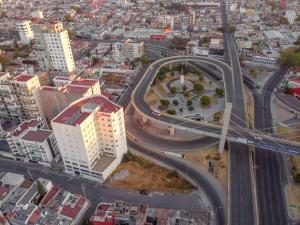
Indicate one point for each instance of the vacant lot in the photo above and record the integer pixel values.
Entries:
(137, 173)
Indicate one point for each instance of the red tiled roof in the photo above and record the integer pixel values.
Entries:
(73, 114)
(76, 89)
(23, 78)
(84, 82)
(50, 195)
(3, 192)
(72, 212)
(34, 216)
(37, 136)
(17, 130)
(49, 88)
(295, 91)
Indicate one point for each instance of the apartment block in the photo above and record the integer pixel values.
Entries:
(25, 31)
(33, 141)
(129, 50)
(19, 96)
(91, 137)
(55, 99)
(40, 202)
(52, 47)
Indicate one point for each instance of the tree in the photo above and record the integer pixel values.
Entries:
(290, 57)
(198, 87)
(283, 20)
(171, 111)
(205, 100)
(144, 59)
(232, 29)
(219, 92)
(165, 102)
(191, 108)
(95, 60)
(297, 178)
(40, 188)
(181, 110)
(297, 42)
(189, 103)
(184, 88)
(68, 18)
(253, 73)
(175, 102)
(173, 90)
(221, 29)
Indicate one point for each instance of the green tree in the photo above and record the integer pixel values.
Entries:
(283, 20)
(144, 59)
(253, 73)
(165, 102)
(297, 178)
(232, 29)
(205, 100)
(40, 188)
(221, 29)
(181, 110)
(189, 103)
(173, 90)
(198, 87)
(175, 102)
(219, 92)
(290, 57)
(171, 111)
(68, 18)
(191, 108)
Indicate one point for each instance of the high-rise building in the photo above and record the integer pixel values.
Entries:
(130, 49)
(19, 96)
(55, 99)
(166, 21)
(33, 141)
(25, 31)
(91, 137)
(52, 47)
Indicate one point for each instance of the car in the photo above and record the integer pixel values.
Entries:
(157, 113)
(144, 192)
(258, 138)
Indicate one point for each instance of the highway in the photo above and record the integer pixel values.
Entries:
(270, 178)
(232, 94)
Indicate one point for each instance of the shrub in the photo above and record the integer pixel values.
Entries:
(175, 102)
(171, 111)
(173, 90)
(191, 108)
(205, 100)
(198, 87)
(189, 103)
(297, 178)
(219, 92)
(172, 174)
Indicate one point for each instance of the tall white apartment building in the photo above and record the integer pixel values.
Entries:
(33, 141)
(91, 137)
(25, 31)
(166, 21)
(52, 47)
(130, 49)
(19, 96)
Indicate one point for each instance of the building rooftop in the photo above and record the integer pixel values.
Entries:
(37, 136)
(23, 78)
(73, 206)
(17, 130)
(74, 115)
(103, 162)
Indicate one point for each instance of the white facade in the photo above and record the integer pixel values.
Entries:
(291, 16)
(166, 21)
(264, 60)
(128, 50)
(19, 97)
(52, 47)
(91, 137)
(33, 141)
(25, 31)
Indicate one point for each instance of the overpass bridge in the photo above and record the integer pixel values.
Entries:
(236, 133)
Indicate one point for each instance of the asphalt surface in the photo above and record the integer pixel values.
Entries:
(97, 193)
(270, 178)
(241, 192)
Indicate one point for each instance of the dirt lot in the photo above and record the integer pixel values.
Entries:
(293, 192)
(202, 157)
(138, 173)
